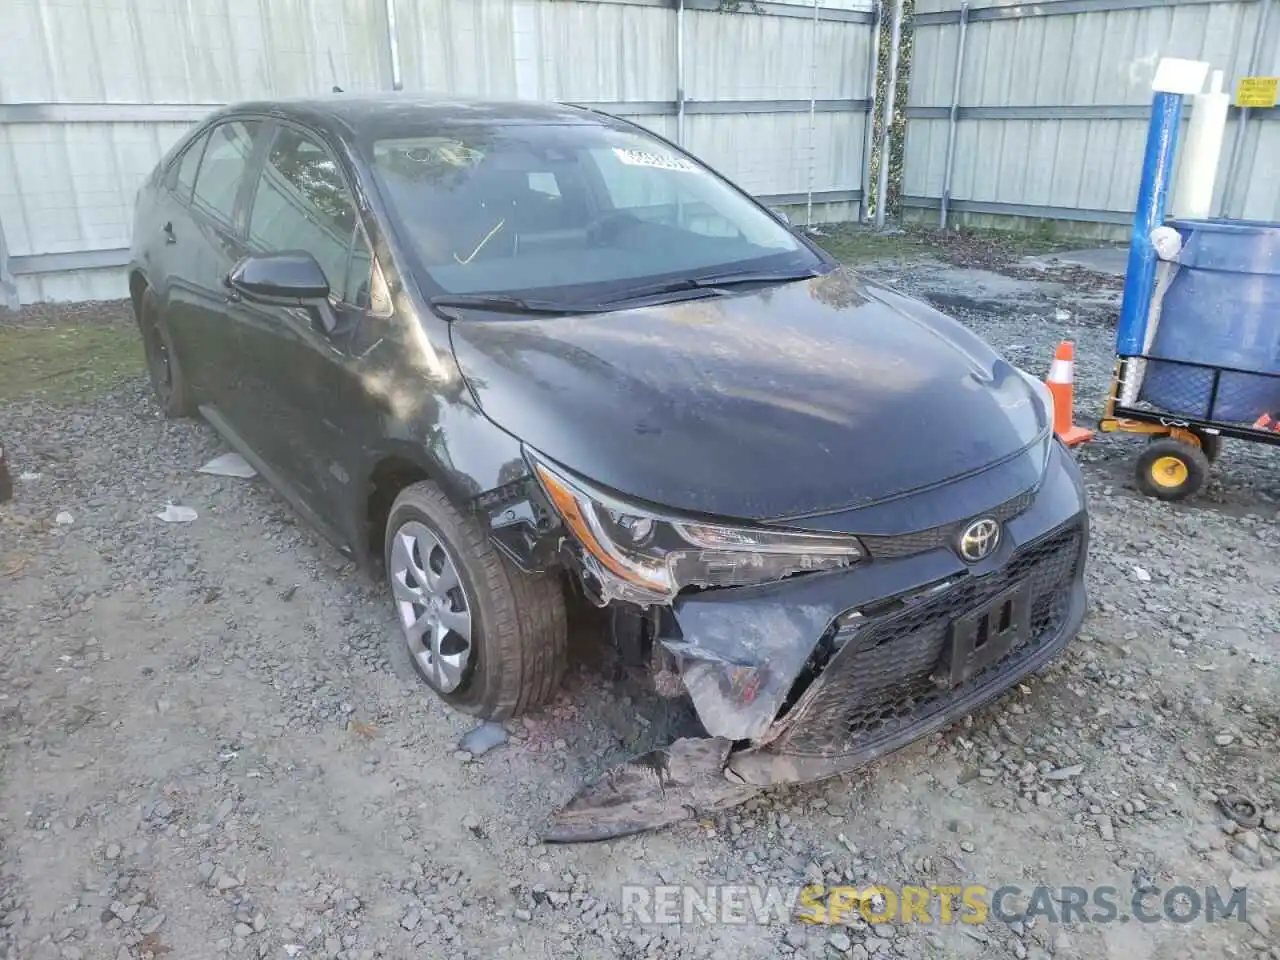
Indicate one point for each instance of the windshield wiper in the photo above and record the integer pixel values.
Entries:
(707, 286)
(752, 276)
(711, 283)
(504, 304)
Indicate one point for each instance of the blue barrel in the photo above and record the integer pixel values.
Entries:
(1222, 310)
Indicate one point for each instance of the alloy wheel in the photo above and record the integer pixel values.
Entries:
(434, 609)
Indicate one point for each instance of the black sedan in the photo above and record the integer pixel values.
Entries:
(509, 353)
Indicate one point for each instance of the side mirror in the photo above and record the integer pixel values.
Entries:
(288, 279)
(782, 216)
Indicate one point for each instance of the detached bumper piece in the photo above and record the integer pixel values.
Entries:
(901, 673)
(657, 789)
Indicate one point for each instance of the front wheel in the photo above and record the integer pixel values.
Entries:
(485, 636)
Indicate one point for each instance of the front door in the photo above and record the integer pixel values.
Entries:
(301, 376)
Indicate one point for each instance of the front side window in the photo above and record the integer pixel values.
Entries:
(302, 203)
(222, 169)
(567, 212)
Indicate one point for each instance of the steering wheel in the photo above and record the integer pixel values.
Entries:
(607, 227)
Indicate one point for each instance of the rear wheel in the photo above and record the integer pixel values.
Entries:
(162, 365)
(485, 636)
(1171, 469)
(6, 479)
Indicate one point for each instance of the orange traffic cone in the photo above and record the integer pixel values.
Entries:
(1060, 383)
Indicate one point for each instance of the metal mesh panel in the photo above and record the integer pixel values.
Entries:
(879, 682)
(1188, 390)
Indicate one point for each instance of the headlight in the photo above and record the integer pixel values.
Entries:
(648, 558)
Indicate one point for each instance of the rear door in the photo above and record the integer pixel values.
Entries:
(154, 236)
(202, 241)
(303, 379)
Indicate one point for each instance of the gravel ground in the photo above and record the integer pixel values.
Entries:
(209, 748)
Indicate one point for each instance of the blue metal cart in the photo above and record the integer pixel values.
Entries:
(1198, 341)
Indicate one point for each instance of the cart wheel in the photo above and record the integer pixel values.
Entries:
(1210, 443)
(1171, 469)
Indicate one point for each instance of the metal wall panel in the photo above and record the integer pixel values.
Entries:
(195, 51)
(92, 92)
(533, 49)
(771, 153)
(68, 187)
(1090, 74)
(740, 57)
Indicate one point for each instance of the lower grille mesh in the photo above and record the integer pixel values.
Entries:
(878, 683)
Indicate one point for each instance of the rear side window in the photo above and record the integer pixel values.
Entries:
(184, 171)
(302, 203)
(222, 170)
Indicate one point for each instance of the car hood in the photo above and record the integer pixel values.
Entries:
(804, 398)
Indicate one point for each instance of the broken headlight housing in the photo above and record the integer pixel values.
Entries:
(647, 557)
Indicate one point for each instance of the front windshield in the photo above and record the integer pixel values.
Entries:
(569, 213)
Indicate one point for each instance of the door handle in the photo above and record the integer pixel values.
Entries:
(169, 236)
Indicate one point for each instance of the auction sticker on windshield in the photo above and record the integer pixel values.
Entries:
(642, 158)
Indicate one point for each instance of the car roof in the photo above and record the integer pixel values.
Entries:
(370, 115)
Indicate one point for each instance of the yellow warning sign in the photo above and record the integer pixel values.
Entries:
(1257, 91)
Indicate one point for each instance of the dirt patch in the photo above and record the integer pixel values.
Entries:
(982, 250)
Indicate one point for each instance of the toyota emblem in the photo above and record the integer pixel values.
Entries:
(979, 539)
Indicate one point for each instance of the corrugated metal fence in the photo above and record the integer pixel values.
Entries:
(1051, 101)
(92, 92)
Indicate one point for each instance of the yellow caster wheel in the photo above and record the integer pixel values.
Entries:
(1171, 469)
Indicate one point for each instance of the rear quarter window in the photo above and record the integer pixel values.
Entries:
(182, 174)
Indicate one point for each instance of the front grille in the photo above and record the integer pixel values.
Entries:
(879, 683)
(907, 544)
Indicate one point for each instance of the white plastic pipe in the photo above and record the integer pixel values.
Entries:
(680, 74)
(1202, 152)
(393, 45)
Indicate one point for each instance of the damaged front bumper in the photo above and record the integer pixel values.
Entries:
(817, 675)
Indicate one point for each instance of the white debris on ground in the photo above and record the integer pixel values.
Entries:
(211, 747)
(173, 513)
(229, 465)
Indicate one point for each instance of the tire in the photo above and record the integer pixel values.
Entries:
(1210, 443)
(517, 624)
(167, 381)
(6, 478)
(1170, 469)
